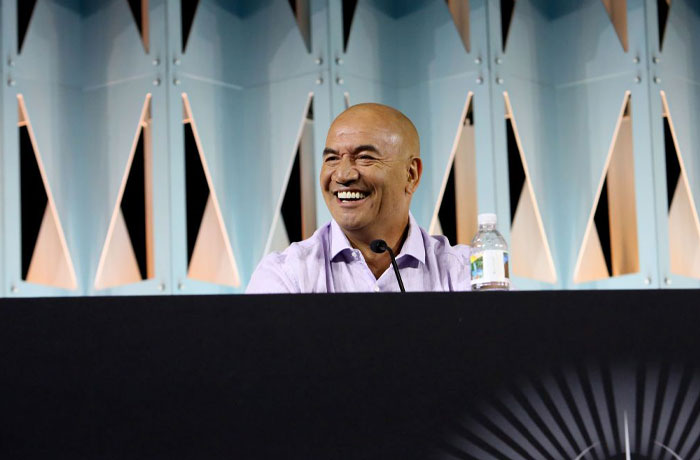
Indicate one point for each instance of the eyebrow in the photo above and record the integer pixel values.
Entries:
(355, 151)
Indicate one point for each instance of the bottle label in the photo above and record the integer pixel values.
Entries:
(489, 266)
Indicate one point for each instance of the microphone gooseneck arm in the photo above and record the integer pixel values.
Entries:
(380, 246)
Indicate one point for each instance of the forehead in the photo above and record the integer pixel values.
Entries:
(354, 131)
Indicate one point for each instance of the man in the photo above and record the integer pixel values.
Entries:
(371, 168)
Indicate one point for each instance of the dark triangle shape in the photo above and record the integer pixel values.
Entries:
(25, 9)
(349, 7)
(663, 8)
(133, 205)
(516, 172)
(135, 7)
(33, 199)
(188, 8)
(293, 4)
(448, 209)
(602, 225)
(291, 205)
(673, 166)
(507, 7)
(196, 190)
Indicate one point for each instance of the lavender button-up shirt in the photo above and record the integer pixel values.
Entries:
(326, 262)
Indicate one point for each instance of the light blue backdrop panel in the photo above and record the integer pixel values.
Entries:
(263, 45)
(52, 45)
(534, 117)
(109, 145)
(269, 143)
(249, 79)
(118, 76)
(112, 45)
(217, 118)
(436, 108)
(566, 74)
(50, 87)
(678, 67)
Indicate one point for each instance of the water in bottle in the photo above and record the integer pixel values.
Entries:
(489, 257)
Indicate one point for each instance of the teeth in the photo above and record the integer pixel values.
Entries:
(351, 195)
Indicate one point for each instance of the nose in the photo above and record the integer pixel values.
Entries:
(346, 172)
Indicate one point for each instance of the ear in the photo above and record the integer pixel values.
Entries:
(415, 170)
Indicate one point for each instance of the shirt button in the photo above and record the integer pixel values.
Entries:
(376, 288)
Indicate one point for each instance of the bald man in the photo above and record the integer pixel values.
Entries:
(371, 169)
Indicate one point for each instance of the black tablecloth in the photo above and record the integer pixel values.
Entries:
(472, 375)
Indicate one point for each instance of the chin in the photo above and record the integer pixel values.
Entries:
(350, 223)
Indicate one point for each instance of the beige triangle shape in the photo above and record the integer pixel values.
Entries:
(593, 266)
(115, 267)
(459, 9)
(683, 236)
(683, 222)
(531, 256)
(619, 172)
(51, 263)
(122, 267)
(528, 258)
(209, 260)
(214, 261)
(617, 11)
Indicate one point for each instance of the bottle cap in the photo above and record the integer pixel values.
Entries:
(487, 219)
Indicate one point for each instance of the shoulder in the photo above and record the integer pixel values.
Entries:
(288, 271)
(440, 247)
(451, 263)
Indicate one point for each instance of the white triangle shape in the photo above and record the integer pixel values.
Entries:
(122, 267)
(51, 263)
(528, 239)
(214, 260)
(593, 266)
(115, 268)
(617, 12)
(683, 221)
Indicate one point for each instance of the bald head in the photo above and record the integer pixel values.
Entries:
(371, 168)
(397, 125)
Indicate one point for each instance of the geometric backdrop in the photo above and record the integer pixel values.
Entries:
(164, 146)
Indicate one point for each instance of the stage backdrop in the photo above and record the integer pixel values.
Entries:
(165, 146)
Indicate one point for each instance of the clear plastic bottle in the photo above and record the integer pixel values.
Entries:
(489, 257)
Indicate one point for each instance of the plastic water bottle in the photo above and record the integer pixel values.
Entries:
(489, 257)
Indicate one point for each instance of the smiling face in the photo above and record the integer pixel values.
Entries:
(371, 167)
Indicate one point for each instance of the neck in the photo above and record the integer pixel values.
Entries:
(378, 263)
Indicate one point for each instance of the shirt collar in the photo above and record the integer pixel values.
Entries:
(413, 246)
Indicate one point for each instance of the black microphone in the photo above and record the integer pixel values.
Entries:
(379, 246)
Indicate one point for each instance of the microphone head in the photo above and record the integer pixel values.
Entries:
(378, 246)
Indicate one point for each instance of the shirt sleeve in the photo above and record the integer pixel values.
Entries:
(271, 277)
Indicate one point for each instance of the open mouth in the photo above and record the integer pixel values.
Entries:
(347, 196)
